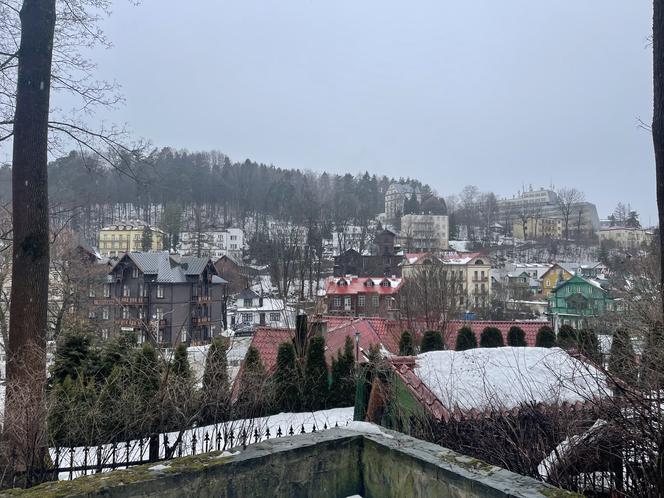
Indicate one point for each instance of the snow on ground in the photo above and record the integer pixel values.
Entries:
(507, 377)
(459, 245)
(218, 438)
(234, 355)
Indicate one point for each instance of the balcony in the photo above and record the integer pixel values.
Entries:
(480, 279)
(133, 300)
(131, 322)
(202, 299)
(201, 320)
(107, 301)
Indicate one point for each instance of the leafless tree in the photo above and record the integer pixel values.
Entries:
(568, 198)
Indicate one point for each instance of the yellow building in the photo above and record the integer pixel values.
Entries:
(538, 228)
(115, 240)
(626, 238)
(555, 275)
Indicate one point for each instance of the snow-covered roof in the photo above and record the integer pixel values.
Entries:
(504, 378)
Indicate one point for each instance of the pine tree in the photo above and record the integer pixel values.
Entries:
(651, 375)
(622, 360)
(74, 356)
(406, 345)
(215, 392)
(567, 337)
(546, 337)
(250, 400)
(491, 338)
(342, 390)
(181, 367)
(145, 383)
(516, 337)
(316, 385)
(117, 351)
(432, 340)
(286, 381)
(146, 238)
(588, 345)
(465, 339)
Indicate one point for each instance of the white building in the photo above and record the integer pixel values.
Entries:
(213, 243)
(626, 238)
(424, 232)
(256, 311)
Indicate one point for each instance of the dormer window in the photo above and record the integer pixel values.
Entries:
(369, 283)
(386, 283)
(479, 262)
(342, 283)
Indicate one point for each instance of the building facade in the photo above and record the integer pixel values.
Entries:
(395, 198)
(117, 239)
(212, 243)
(577, 300)
(163, 299)
(538, 228)
(362, 297)
(424, 232)
(252, 310)
(625, 238)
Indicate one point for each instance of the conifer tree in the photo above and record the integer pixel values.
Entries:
(117, 351)
(215, 392)
(342, 391)
(74, 356)
(432, 340)
(567, 337)
(516, 337)
(406, 345)
(588, 345)
(651, 374)
(465, 339)
(251, 401)
(316, 384)
(622, 360)
(546, 337)
(491, 338)
(286, 381)
(181, 367)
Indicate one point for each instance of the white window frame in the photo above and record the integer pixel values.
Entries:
(160, 292)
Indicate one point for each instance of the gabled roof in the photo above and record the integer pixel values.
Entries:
(166, 268)
(578, 279)
(350, 285)
(468, 384)
(247, 294)
(372, 331)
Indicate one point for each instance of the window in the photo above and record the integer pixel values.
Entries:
(247, 302)
(104, 334)
(107, 290)
(104, 313)
(125, 313)
(347, 305)
(141, 313)
(337, 301)
(233, 237)
(361, 300)
(274, 317)
(141, 290)
(547, 283)
(376, 300)
(385, 283)
(92, 315)
(91, 292)
(160, 292)
(159, 313)
(475, 274)
(183, 336)
(125, 291)
(247, 317)
(482, 275)
(134, 272)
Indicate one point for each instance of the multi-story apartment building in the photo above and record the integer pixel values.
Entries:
(356, 296)
(129, 236)
(395, 198)
(424, 232)
(213, 243)
(544, 204)
(538, 228)
(624, 237)
(384, 259)
(470, 273)
(162, 298)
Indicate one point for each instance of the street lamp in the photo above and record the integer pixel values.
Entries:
(357, 346)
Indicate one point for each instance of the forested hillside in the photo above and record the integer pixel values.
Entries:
(91, 193)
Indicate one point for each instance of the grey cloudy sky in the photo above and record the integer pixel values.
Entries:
(485, 92)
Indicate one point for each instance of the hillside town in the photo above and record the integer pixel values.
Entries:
(428, 261)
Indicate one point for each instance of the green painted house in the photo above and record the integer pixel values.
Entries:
(578, 299)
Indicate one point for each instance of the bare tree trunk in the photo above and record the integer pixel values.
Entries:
(26, 358)
(658, 120)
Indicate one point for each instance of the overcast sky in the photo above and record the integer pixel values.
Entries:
(485, 92)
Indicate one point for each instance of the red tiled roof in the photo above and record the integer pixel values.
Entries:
(477, 326)
(266, 340)
(356, 285)
(373, 331)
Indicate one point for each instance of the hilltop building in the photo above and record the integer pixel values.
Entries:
(128, 236)
(396, 196)
(625, 237)
(213, 243)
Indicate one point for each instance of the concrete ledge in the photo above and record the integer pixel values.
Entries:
(331, 463)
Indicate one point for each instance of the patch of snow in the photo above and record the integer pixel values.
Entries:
(159, 467)
(506, 377)
(227, 454)
(367, 428)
